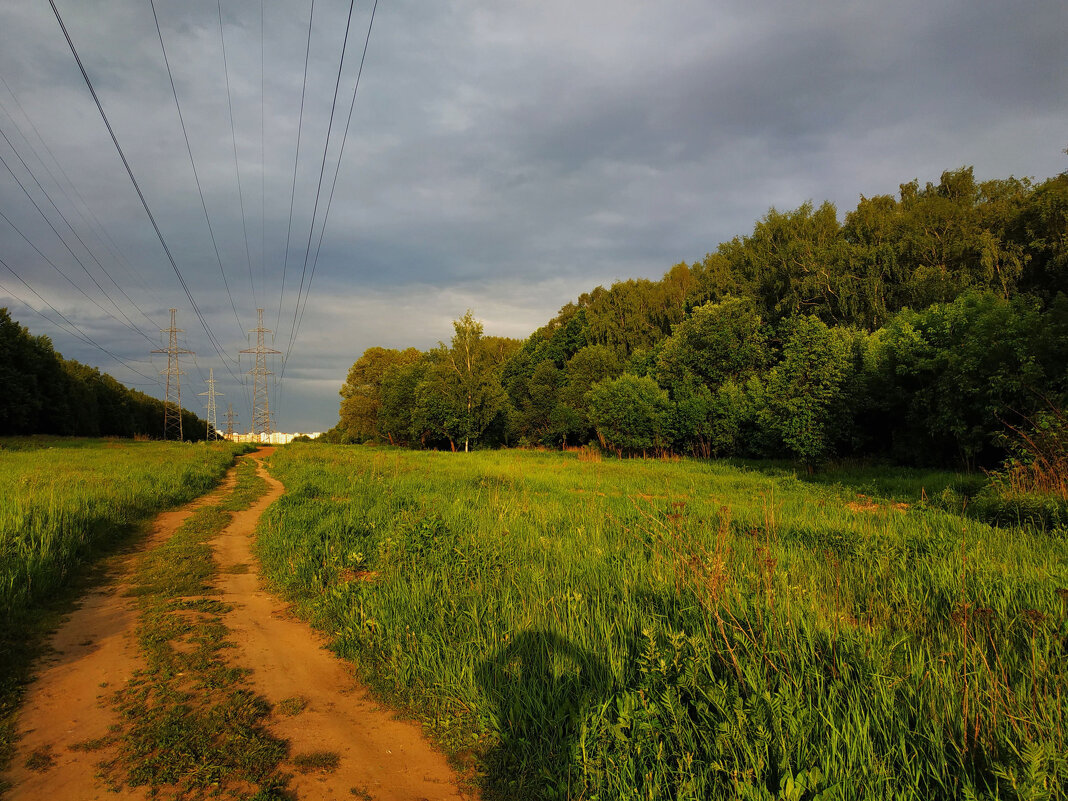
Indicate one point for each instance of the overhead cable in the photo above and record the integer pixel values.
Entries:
(296, 159)
(92, 222)
(192, 163)
(237, 168)
(129, 323)
(81, 334)
(140, 194)
(333, 184)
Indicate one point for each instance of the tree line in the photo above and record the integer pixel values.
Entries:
(43, 393)
(916, 329)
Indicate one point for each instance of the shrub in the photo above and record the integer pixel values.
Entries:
(631, 414)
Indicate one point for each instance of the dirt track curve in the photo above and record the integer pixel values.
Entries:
(95, 652)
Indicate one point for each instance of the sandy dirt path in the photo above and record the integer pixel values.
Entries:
(95, 652)
(380, 757)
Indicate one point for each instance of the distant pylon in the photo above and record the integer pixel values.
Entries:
(172, 403)
(261, 408)
(213, 430)
(230, 421)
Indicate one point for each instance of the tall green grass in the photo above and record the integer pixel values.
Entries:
(63, 499)
(63, 502)
(680, 629)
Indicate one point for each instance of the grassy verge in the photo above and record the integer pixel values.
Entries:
(689, 630)
(190, 721)
(68, 504)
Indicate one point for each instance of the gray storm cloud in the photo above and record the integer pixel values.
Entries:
(503, 157)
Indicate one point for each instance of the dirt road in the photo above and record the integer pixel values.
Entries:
(95, 652)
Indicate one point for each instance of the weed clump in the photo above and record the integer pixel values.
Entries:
(1031, 488)
(316, 762)
(41, 759)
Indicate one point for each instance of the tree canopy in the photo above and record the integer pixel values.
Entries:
(915, 328)
(47, 394)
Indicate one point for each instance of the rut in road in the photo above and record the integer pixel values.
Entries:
(318, 707)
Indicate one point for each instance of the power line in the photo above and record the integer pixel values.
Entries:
(140, 194)
(322, 169)
(81, 334)
(333, 186)
(296, 159)
(192, 163)
(36, 205)
(263, 166)
(70, 227)
(237, 168)
(57, 268)
(326, 215)
(102, 234)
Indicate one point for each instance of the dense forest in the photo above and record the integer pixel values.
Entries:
(47, 394)
(920, 329)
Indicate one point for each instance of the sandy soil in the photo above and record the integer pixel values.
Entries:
(92, 654)
(95, 651)
(385, 758)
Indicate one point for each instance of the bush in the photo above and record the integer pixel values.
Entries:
(631, 414)
(1031, 488)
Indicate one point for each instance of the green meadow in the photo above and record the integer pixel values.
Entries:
(572, 627)
(63, 504)
(63, 499)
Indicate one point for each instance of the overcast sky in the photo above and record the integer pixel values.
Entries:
(502, 157)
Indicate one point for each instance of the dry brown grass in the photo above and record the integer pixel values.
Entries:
(1041, 465)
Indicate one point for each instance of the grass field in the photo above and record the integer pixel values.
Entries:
(63, 498)
(63, 502)
(578, 628)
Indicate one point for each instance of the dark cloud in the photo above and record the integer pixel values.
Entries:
(503, 157)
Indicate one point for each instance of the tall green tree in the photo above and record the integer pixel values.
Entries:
(43, 393)
(468, 379)
(718, 341)
(361, 394)
(631, 414)
(397, 396)
(803, 391)
(950, 375)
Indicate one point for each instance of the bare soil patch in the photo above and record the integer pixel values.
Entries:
(341, 743)
(92, 653)
(377, 754)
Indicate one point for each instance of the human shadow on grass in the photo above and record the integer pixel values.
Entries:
(540, 686)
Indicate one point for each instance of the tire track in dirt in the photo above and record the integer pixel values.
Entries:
(93, 653)
(381, 757)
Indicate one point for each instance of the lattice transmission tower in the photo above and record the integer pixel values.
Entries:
(230, 421)
(213, 429)
(172, 403)
(261, 406)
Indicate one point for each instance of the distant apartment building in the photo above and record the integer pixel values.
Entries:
(274, 438)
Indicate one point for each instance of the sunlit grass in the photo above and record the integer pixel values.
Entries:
(64, 502)
(682, 629)
(63, 498)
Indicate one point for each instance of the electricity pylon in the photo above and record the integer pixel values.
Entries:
(230, 421)
(213, 431)
(172, 404)
(261, 407)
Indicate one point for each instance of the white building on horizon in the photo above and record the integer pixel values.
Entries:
(274, 438)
